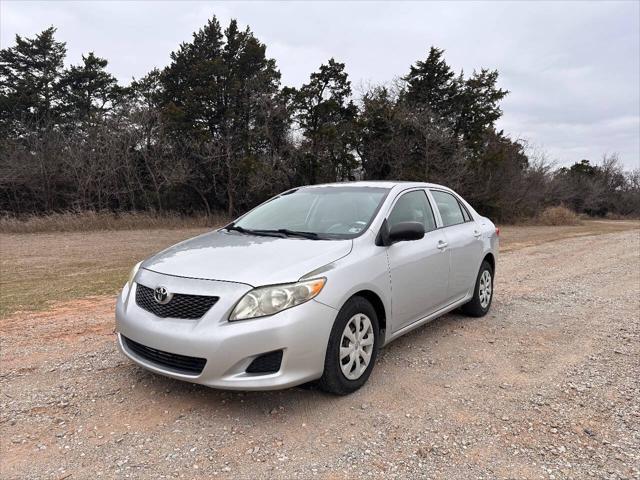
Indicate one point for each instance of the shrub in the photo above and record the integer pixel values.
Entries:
(559, 215)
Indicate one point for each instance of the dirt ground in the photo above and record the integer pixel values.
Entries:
(545, 386)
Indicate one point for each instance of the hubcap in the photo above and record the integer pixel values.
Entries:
(485, 289)
(356, 346)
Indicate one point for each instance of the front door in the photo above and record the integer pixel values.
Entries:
(419, 269)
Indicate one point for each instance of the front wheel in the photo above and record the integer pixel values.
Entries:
(352, 348)
(479, 305)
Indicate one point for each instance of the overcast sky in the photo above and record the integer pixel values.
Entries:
(573, 68)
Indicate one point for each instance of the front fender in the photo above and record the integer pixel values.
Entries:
(365, 269)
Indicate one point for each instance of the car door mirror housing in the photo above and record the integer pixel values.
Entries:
(406, 231)
(400, 232)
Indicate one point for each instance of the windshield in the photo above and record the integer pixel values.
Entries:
(325, 212)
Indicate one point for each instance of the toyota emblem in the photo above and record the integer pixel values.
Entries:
(161, 295)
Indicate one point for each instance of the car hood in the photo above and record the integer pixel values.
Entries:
(254, 260)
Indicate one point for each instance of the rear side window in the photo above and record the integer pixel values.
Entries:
(413, 207)
(449, 208)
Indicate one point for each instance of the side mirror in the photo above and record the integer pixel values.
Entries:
(406, 231)
(401, 232)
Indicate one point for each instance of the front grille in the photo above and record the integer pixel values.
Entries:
(178, 363)
(180, 306)
(267, 363)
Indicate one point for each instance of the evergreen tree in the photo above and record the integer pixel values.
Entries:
(147, 91)
(468, 107)
(30, 103)
(90, 91)
(192, 85)
(217, 92)
(378, 134)
(327, 117)
(431, 85)
(477, 107)
(30, 91)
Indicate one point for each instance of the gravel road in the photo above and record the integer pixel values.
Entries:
(546, 386)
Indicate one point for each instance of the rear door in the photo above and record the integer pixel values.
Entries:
(419, 269)
(463, 242)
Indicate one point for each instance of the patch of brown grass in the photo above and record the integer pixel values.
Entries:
(617, 216)
(39, 270)
(87, 221)
(557, 216)
(515, 237)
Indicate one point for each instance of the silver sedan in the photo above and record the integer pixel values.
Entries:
(308, 286)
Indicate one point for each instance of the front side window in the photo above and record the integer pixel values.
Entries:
(413, 207)
(449, 208)
(329, 212)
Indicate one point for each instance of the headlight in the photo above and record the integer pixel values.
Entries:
(132, 274)
(264, 301)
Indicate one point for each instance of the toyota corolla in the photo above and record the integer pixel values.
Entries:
(308, 286)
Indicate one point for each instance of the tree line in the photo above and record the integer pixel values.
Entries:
(215, 130)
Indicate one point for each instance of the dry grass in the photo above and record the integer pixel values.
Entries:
(617, 216)
(557, 216)
(38, 270)
(96, 221)
(41, 269)
(516, 237)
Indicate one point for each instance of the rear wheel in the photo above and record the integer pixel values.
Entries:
(352, 348)
(482, 294)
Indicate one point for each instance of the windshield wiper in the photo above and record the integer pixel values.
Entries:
(296, 233)
(281, 232)
(232, 227)
(260, 233)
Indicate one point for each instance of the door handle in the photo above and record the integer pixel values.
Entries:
(442, 245)
(476, 234)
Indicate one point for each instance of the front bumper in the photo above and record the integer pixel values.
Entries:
(301, 332)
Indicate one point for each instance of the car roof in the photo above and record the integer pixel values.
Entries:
(379, 183)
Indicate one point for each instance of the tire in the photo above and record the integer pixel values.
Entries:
(357, 311)
(478, 306)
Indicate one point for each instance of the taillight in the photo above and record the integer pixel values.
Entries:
(497, 231)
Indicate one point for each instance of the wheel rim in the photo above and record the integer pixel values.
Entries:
(485, 289)
(356, 346)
